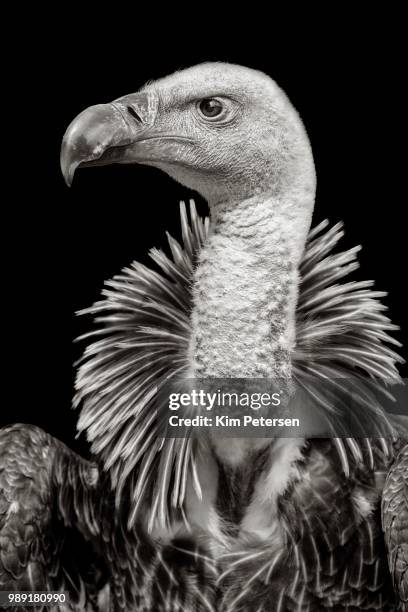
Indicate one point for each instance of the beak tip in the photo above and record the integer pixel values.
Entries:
(68, 167)
(68, 180)
(68, 176)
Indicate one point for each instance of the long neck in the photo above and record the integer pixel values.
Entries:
(246, 285)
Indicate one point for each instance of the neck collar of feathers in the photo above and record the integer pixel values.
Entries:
(143, 339)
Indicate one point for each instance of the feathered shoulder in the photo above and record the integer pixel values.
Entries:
(49, 517)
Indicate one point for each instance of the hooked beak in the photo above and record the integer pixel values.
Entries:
(108, 133)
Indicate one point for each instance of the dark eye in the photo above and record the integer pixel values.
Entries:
(211, 107)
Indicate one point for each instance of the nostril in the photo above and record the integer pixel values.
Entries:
(134, 114)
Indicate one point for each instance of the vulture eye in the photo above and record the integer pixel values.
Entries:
(210, 108)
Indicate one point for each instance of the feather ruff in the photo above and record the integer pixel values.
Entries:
(142, 340)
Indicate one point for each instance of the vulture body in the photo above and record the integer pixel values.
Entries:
(198, 524)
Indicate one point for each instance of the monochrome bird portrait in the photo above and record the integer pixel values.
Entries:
(254, 291)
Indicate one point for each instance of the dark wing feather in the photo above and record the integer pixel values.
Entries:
(395, 524)
(48, 527)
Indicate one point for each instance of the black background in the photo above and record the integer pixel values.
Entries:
(347, 84)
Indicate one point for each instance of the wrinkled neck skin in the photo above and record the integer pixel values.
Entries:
(245, 291)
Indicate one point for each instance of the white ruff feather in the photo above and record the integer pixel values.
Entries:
(143, 336)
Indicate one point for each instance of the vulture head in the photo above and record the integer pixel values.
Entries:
(225, 131)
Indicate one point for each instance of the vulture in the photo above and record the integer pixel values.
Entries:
(209, 523)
